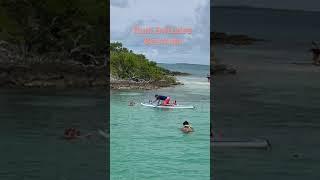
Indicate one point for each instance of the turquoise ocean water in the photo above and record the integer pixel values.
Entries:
(146, 143)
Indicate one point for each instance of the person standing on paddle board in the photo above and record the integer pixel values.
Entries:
(165, 100)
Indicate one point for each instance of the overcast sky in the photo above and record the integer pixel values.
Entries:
(161, 13)
(309, 5)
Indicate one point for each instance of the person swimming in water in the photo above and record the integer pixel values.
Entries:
(165, 100)
(186, 127)
(73, 133)
(131, 103)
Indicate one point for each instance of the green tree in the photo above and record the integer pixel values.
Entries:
(125, 64)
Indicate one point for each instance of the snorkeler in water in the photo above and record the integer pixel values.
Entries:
(131, 103)
(186, 127)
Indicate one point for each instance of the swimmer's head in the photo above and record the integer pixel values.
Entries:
(186, 123)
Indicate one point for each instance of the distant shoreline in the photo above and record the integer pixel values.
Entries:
(186, 64)
(265, 8)
(233, 39)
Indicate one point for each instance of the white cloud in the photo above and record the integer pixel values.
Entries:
(177, 13)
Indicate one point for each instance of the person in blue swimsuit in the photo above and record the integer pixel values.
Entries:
(165, 100)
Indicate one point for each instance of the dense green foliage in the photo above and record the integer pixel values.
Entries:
(63, 29)
(125, 64)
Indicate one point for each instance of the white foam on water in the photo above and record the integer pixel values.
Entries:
(129, 94)
(195, 83)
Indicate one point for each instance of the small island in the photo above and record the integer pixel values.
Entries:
(134, 71)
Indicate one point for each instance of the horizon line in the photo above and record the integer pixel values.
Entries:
(258, 7)
(183, 63)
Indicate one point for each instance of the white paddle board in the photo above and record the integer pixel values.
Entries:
(167, 107)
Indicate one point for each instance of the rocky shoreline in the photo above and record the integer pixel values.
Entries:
(142, 85)
(66, 75)
(58, 75)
